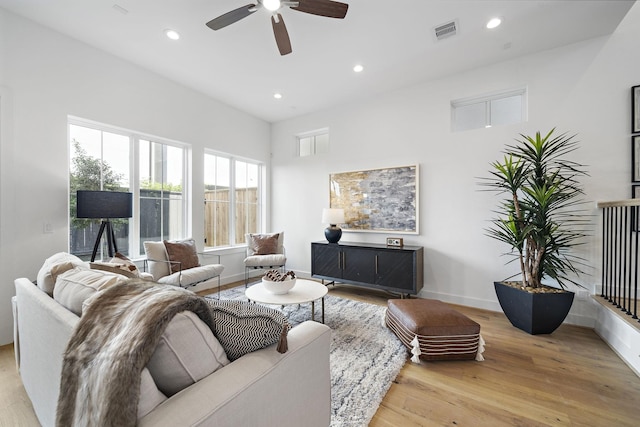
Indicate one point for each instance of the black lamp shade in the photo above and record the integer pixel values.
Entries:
(103, 204)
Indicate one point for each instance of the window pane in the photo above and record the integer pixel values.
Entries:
(161, 193)
(322, 143)
(470, 116)
(99, 161)
(217, 206)
(305, 146)
(224, 220)
(506, 111)
(246, 197)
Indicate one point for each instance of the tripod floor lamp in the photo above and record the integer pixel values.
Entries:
(105, 205)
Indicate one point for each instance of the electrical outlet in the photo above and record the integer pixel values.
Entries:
(47, 228)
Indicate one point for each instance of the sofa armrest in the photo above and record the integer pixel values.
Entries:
(44, 328)
(16, 336)
(263, 388)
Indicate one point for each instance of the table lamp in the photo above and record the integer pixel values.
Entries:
(333, 217)
(105, 205)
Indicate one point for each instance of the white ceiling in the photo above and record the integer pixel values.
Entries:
(240, 64)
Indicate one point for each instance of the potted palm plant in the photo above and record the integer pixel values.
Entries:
(541, 220)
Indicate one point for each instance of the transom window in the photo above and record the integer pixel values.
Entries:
(496, 109)
(315, 142)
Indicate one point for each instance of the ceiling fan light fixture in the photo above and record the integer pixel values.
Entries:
(172, 34)
(493, 23)
(271, 5)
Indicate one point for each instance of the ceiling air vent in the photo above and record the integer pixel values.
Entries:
(446, 30)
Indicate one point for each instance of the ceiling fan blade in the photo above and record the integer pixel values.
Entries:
(231, 17)
(328, 8)
(281, 34)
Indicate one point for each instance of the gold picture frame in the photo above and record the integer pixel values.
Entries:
(377, 200)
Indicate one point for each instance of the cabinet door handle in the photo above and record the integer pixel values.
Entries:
(344, 260)
(376, 264)
(339, 260)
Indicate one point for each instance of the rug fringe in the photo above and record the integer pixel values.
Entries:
(479, 356)
(415, 350)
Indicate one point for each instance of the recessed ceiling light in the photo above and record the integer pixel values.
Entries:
(172, 34)
(494, 22)
(277, 95)
(358, 68)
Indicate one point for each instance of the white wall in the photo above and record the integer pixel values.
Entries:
(582, 88)
(44, 77)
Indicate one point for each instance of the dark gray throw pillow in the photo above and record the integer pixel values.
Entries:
(242, 327)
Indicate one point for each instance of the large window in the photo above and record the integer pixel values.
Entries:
(102, 158)
(232, 199)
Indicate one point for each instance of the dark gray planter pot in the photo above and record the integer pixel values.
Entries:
(534, 313)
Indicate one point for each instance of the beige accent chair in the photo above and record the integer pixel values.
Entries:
(177, 263)
(264, 251)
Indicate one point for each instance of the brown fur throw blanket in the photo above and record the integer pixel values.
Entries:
(113, 341)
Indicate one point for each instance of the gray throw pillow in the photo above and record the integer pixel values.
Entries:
(187, 352)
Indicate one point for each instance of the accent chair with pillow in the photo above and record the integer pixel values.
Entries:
(177, 263)
(264, 251)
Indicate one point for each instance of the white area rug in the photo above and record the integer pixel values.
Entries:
(365, 356)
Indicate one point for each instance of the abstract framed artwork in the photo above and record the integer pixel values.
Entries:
(635, 109)
(635, 158)
(377, 200)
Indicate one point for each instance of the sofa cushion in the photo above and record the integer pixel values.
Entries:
(183, 252)
(263, 244)
(275, 260)
(193, 275)
(74, 286)
(157, 258)
(45, 280)
(187, 352)
(243, 327)
(150, 396)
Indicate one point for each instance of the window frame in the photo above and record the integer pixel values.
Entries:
(134, 176)
(238, 241)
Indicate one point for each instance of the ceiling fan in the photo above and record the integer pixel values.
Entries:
(328, 8)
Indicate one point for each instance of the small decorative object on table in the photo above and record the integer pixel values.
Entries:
(395, 241)
(277, 283)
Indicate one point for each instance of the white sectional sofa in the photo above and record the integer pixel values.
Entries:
(262, 388)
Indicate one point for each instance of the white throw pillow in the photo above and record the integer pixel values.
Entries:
(187, 352)
(157, 251)
(45, 280)
(74, 286)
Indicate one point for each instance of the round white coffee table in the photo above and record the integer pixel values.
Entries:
(304, 291)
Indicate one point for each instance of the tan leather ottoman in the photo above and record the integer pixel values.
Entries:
(432, 330)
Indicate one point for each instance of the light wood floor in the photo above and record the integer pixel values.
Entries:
(569, 378)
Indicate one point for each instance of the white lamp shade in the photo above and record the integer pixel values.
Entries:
(332, 216)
